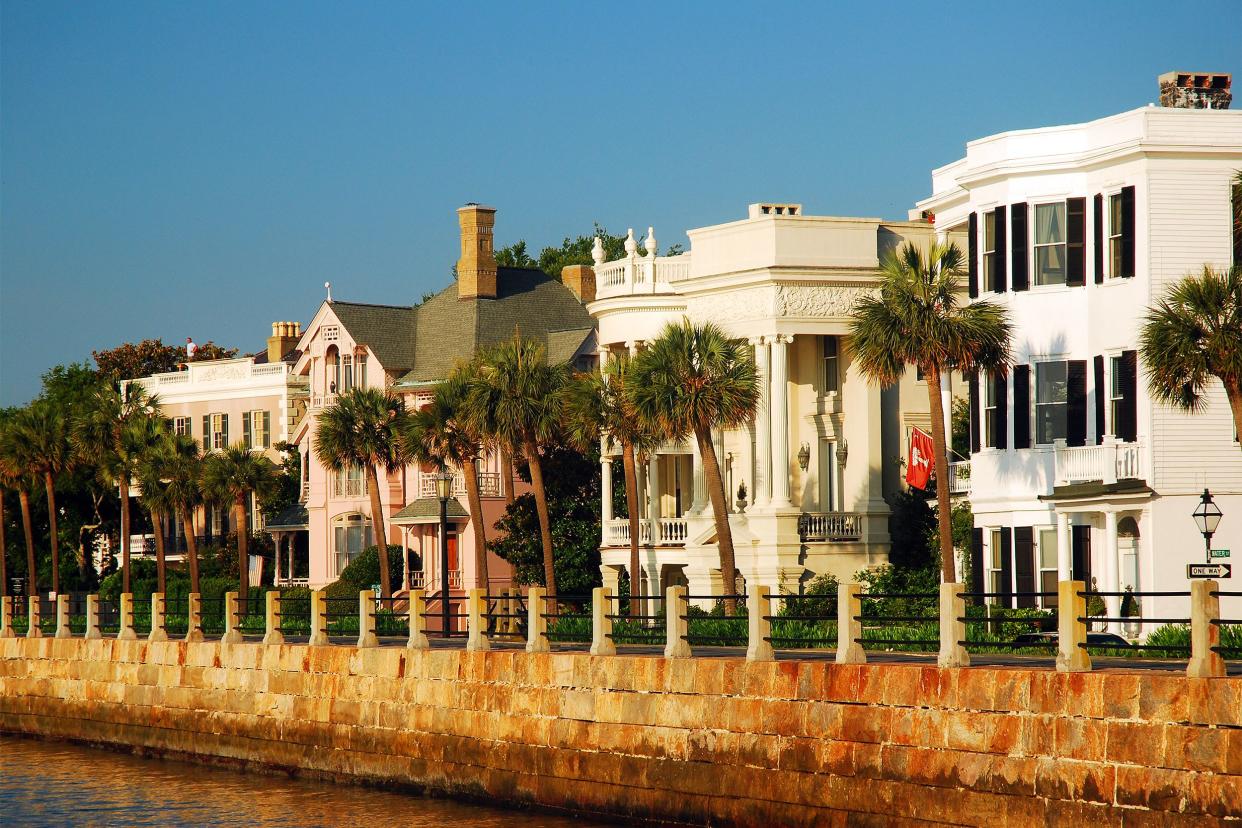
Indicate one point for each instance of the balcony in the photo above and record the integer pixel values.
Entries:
(959, 478)
(821, 527)
(668, 532)
(318, 401)
(418, 580)
(349, 487)
(490, 485)
(1106, 463)
(638, 276)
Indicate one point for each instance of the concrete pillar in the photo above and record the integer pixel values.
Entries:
(676, 623)
(952, 627)
(366, 619)
(277, 538)
(159, 631)
(601, 624)
(698, 480)
(605, 489)
(653, 494)
(1112, 578)
(62, 617)
(6, 617)
(763, 427)
(1204, 635)
(946, 405)
(779, 417)
(194, 617)
(232, 619)
(126, 627)
(476, 620)
(1065, 550)
(418, 621)
(849, 628)
(759, 624)
(537, 621)
(32, 617)
(92, 618)
(1071, 632)
(272, 633)
(318, 619)
(610, 576)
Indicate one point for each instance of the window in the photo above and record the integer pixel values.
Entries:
(260, 429)
(996, 581)
(360, 370)
(1050, 253)
(1048, 566)
(181, 425)
(254, 515)
(989, 250)
(349, 483)
(1051, 401)
(347, 372)
(1115, 244)
(1116, 393)
(219, 521)
(219, 431)
(832, 364)
(331, 333)
(351, 534)
(991, 419)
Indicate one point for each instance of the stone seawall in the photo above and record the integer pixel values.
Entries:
(701, 741)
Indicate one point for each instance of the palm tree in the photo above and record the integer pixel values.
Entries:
(114, 433)
(360, 431)
(1194, 333)
(515, 400)
(182, 470)
(690, 380)
(11, 479)
(917, 319)
(41, 438)
(152, 478)
(443, 434)
(601, 404)
(231, 476)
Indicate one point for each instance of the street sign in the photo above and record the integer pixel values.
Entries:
(1208, 570)
(1218, 553)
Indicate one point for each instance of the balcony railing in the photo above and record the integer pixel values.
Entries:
(668, 532)
(490, 485)
(306, 491)
(959, 477)
(1107, 463)
(318, 401)
(830, 526)
(637, 275)
(349, 487)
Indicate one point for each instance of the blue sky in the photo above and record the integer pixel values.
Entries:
(177, 169)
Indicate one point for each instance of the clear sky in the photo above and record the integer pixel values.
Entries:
(201, 169)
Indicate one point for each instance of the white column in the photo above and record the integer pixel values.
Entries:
(1064, 552)
(763, 433)
(631, 345)
(605, 489)
(276, 574)
(653, 491)
(1112, 582)
(779, 421)
(946, 405)
(698, 495)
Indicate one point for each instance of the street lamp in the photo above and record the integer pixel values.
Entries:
(444, 488)
(1207, 517)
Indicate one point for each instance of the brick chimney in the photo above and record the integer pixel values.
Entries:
(476, 269)
(1196, 90)
(581, 280)
(284, 338)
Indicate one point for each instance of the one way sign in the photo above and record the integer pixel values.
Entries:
(1208, 570)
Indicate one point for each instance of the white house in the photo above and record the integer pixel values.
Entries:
(1077, 230)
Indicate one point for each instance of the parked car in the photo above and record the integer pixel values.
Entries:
(1049, 639)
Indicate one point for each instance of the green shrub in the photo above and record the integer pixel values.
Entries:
(364, 570)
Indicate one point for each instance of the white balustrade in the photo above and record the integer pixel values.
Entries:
(349, 487)
(322, 400)
(668, 532)
(831, 526)
(640, 275)
(959, 477)
(491, 484)
(1108, 462)
(673, 531)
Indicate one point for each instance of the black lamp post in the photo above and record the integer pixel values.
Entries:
(1207, 516)
(444, 488)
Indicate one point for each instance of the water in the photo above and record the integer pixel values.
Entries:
(55, 784)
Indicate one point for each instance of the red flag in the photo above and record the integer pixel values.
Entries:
(919, 464)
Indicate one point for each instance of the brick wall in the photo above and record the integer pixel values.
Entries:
(696, 740)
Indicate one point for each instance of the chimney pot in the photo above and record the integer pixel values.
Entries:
(580, 279)
(476, 269)
(1196, 90)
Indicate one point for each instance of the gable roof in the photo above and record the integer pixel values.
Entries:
(388, 330)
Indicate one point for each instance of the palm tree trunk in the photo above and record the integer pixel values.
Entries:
(1233, 391)
(545, 523)
(32, 571)
(944, 511)
(377, 529)
(471, 473)
(124, 484)
(191, 547)
(4, 552)
(506, 467)
(49, 485)
(629, 467)
(243, 552)
(720, 511)
(157, 526)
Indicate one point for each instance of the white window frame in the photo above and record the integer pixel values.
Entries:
(1041, 535)
(1113, 245)
(989, 253)
(1036, 245)
(1039, 441)
(990, 405)
(217, 431)
(994, 571)
(345, 523)
(181, 425)
(347, 372)
(1114, 359)
(831, 363)
(257, 419)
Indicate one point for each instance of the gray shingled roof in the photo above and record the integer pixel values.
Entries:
(388, 330)
(426, 509)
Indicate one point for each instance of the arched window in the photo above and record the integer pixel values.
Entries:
(351, 533)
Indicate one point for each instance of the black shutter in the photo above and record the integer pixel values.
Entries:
(1001, 424)
(246, 428)
(1076, 410)
(206, 432)
(976, 563)
(1126, 426)
(1019, 245)
(1081, 556)
(1006, 589)
(972, 252)
(998, 265)
(1099, 400)
(1024, 563)
(1021, 406)
(1098, 236)
(224, 430)
(1127, 232)
(974, 412)
(1076, 242)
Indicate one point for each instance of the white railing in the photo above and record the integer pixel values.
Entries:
(305, 492)
(668, 532)
(1107, 463)
(640, 275)
(673, 531)
(322, 400)
(293, 582)
(959, 477)
(268, 370)
(830, 526)
(348, 487)
(417, 579)
(491, 484)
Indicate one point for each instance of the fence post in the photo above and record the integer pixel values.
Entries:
(676, 624)
(194, 617)
(232, 635)
(272, 633)
(952, 628)
(1205, 662)
(92, 617)
(125, 630)
(318, 621)
(601, 624)
(536, 623)
(366, 619)
(6, 617)
(32, 617)
(759, 624)
(62, 617)
(849, 625)
(418, 621)
(1071, 628)
(476, 629)
(158, 632)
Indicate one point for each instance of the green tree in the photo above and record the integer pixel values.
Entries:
(11, 474)
(231, 476)
(152, 356)
(360, 431)
(1194, 333)
(691, 380)
(917, 319)
(181, 473)
(40, 435)
(572, 251)
(154, 478)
